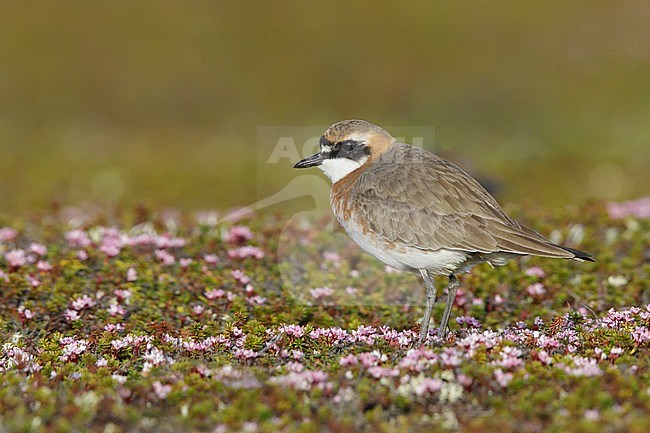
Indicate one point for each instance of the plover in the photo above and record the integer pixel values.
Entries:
(419, 213)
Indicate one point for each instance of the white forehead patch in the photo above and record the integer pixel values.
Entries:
(337, 168)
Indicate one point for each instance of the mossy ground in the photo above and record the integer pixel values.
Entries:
(162, 321)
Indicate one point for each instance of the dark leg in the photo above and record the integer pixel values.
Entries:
(430, 296)
(452, 288)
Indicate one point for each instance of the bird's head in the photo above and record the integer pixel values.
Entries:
(347, 146)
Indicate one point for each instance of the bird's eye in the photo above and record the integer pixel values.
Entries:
(348, 145)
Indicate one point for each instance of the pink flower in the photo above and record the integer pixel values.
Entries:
(379, 372)
(641, 335)
(135, 341)
(371, 359)
(584, 367)
(303, 381)
(214, 293)
(112, 242)
(331, 335)
(510, 357)
(7, 234)
(465, 380)
(167, 241)
(244, 354)
(38, 249)
(82, 255)
(211, 259)
(71, 315)
(72, 348)
(122, 295)
(25, 313)
(615, 352)
(427, 385)
(185, 262)
(131, 275)
(450, 358)
(535, 272)
(43, 266)
(238, 235)
(418, 360)
(113, 327)
(84, 302)
(256, 300)
(503, 379)
(469, 321)
(333, 257)
(348, 360)
(544, 357)
(365, 334)
(244, 252)
(153, 357)
(21, 359)
(240, 277)
(198, 309)
(419, 385)
(165, 257)
(295, 331)
(16, 258)
(162, 391)
(536, 289)
(321, 292)
(35, 282)
(115, 309)
(78, 238)
(295, 367)
(111, 250)
(639, 208)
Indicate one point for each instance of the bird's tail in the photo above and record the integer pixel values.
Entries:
(579, 255)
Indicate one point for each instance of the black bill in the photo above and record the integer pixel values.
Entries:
(310, 161)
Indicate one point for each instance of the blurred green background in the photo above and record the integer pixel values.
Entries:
(160, 102)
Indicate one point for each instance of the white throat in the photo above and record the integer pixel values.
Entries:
(337, 168)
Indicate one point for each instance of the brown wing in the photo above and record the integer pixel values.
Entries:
(414, 197)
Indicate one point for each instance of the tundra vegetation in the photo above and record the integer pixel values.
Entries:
(168, 321)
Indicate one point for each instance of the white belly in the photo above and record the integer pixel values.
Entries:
(403, 257)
